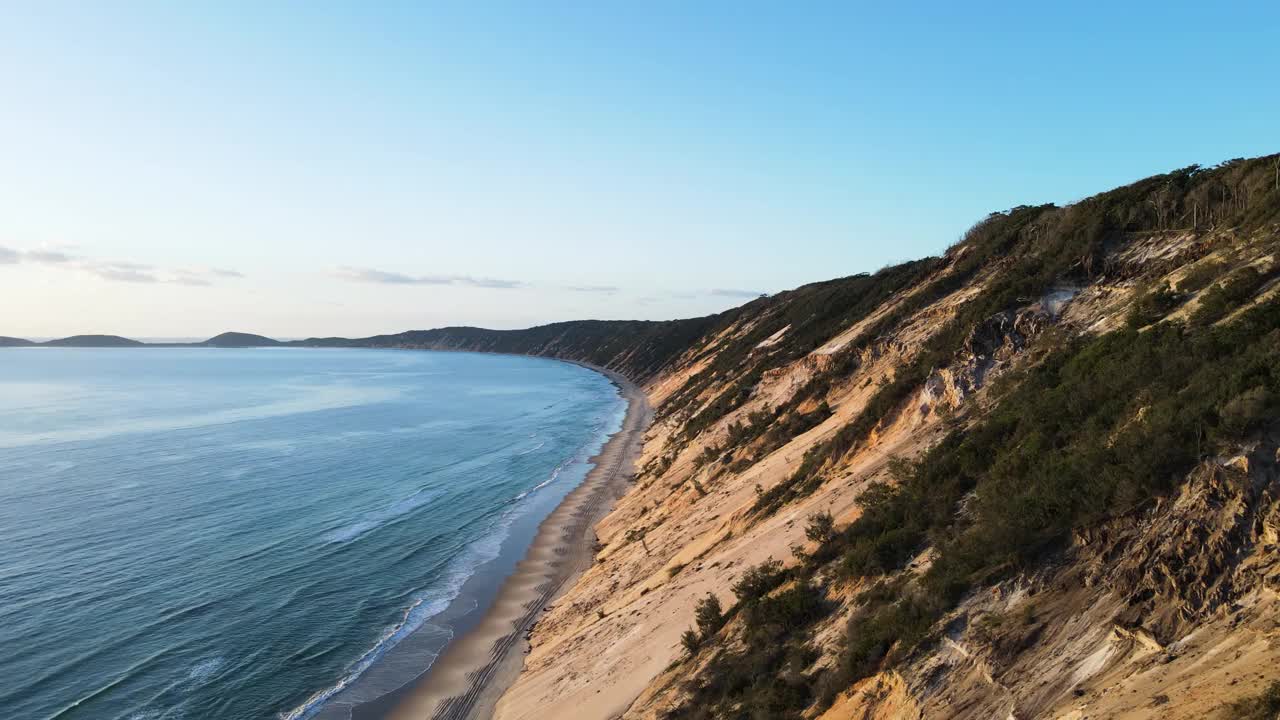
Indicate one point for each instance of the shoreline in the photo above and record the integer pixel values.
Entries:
(475, 669)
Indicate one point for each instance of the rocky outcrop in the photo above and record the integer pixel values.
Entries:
(1174, 601)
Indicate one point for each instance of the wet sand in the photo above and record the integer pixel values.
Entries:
(470, 676)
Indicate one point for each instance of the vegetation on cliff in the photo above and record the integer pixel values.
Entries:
(1096, 427)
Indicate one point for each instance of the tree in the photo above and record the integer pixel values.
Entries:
(690, 641)
(821, 527)
(708, 616)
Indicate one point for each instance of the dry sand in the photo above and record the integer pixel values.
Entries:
(474, 670)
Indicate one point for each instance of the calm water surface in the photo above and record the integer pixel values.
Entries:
(189, 533)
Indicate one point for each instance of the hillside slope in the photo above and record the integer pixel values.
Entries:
(637, 349)
(93, 341)
(240, 340)
(1034, 477)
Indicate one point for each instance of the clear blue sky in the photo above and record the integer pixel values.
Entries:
(350, 168)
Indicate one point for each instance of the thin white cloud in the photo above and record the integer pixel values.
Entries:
(139, 267)
(735, 293)
(49, 257)
(191, 280)
(607, 289)
(119, 272)
(487, 282)
(384, 277)
(114, 270)
(369, 275)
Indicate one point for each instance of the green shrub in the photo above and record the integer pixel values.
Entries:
(1226, 296)
(1245, 412)
(709, 616)
(821, 527)
(691, 642)
(766, 679)
(759, 580)
(1200, 276)
(1152, 305)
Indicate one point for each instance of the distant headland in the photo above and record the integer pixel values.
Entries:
(634, 348)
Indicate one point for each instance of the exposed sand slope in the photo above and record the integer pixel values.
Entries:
(468, 678)
(607, 648)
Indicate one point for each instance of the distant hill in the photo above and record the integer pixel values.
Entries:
(240, 340)
(93, 341)
(14, 342)
(635, 348)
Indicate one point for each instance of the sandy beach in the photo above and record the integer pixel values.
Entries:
(467, 680)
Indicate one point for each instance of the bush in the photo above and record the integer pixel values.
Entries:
(767, 679)
(709, 616)
(821, 527)
(691, 642)
(1246, 411)
(1199, 277)
(796, 606)
(1152, 306)
(759, 581)
(1221, 299)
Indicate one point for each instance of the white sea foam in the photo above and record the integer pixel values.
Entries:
(205, 668)
(554, 474)
(437, 598)
(447, 589)
(535, 448)
(377, 519)
(429, 604)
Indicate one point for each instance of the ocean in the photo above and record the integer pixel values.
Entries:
(265, 533)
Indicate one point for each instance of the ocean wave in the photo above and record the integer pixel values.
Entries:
(429, 604)
(555, 473)
(535, 448)
(449, 586)
(156, 715)
(198, 675)
(202, 670)
(414, 617)
(382, 517)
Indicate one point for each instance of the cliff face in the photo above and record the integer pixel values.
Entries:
(1035, 477)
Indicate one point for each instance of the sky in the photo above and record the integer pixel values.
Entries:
(317, 168)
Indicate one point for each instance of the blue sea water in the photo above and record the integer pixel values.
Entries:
(209, 533)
